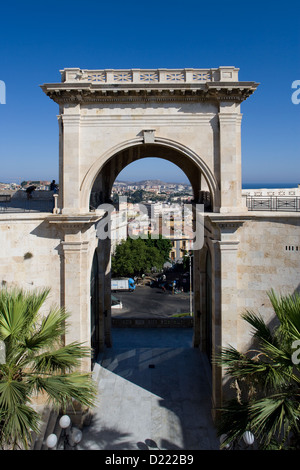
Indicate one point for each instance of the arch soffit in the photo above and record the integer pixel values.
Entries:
(98, 165)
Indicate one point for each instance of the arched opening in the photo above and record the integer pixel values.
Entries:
(101, 192)
(105, 179)
(98, 181)
(169, 215)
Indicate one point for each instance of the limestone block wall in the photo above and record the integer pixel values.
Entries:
(42, 251)
(103, 128)
(29, 254)
(91, 135)
(268, 257)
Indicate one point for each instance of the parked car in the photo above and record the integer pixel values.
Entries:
(116, 303)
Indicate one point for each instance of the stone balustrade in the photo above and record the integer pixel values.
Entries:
(150, 76)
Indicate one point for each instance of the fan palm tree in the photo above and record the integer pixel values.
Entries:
(36, 363)
(266, 379)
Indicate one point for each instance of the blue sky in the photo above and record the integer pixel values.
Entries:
(38, 39)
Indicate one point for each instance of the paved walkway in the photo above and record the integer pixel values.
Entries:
(153, 393)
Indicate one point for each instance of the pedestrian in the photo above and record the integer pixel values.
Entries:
(53, 186)
(29, 191)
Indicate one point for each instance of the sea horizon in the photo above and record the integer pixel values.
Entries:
(244, 184)
(268, 185)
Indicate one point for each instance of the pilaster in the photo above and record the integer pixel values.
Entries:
(76, 250)
(230, 158)
(75, 287)
(225, 293)
(70, 161)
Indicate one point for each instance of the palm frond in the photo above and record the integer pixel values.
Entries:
(234, 420)
(36, 362)
(19, 310)
(62, 389)
(274, 415)
(50, 331)
(287, 309)
(17, 425)
(261, 331)
(240, 364)
(12, 392)
(65, 358)
(272, 409)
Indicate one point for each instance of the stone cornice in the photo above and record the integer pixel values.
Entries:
(224, 218)
(74, 93)
(228, 223)
(73, 221)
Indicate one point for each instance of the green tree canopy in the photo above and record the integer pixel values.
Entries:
(136, 256)
(164, 246)
(137, 196)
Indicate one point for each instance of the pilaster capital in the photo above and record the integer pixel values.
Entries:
(230, 118)
(73, 219)
(226, 223)
(225, 231)
(227, 245)
(71, 120)
(71, 225)
(74, 246)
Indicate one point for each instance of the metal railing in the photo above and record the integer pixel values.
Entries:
(273, 203)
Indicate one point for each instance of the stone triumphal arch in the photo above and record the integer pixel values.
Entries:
(110, 118)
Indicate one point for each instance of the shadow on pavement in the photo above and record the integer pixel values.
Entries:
(154, 388)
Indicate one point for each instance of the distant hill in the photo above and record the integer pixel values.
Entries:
(149, 182)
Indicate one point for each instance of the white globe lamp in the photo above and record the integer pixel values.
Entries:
(223, 438)
(248, 438)
(64, 421)
(51, 441)
(76, 435)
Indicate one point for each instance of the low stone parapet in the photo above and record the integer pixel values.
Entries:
(21, 194)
